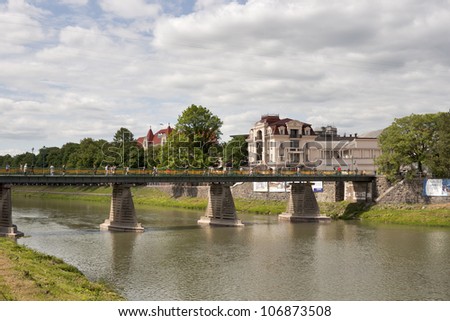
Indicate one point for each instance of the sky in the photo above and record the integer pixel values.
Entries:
(71, 69)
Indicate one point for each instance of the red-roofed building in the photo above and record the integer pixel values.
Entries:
(155, 139)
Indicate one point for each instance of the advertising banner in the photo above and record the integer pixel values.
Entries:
(436, 187)
(279, 187)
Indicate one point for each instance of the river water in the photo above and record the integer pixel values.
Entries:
(175, 259)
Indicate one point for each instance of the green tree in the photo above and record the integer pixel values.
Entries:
(408, 144)
(91, 154)
(122, 150)
(439, 160)
(70, 155)
(194, 138)
(236, 151)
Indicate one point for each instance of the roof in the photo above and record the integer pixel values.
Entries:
(372, 134)
(157, 138)
(154, 138)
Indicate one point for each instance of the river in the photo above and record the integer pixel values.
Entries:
(175, 259)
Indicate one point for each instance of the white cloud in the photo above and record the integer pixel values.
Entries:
(208, 4)
(20, 26)
(131, 8)
(356, 65)
(75, 2)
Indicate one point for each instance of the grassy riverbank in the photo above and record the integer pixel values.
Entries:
(411, 214)
(27, 275)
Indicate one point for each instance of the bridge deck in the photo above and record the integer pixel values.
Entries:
(188, 178)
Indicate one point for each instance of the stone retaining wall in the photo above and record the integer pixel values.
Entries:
(405, 191)
(382, 191)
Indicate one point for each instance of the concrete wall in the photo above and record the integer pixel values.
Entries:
(179, 190)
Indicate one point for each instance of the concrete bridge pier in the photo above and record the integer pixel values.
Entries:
(221, 209)
(122, 215)
(7, 228)
(302, 205)
(359, 191)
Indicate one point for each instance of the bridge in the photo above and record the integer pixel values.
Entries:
(302, 204)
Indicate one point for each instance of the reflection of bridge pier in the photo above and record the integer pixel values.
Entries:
(221, 209)
(302, 205)
(7, 228)
(122, 215)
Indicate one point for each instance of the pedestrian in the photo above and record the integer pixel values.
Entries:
(155, 171)
(127, 170)
(106, 170)
(64, 170)
(25, 169)
(52, 170)
(7, 169)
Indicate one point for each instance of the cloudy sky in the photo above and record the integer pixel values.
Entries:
(71, 69)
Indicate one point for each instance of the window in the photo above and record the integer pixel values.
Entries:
(294, 133)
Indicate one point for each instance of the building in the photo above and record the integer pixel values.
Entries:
(278, 142)
(289, 143)
(155, 139)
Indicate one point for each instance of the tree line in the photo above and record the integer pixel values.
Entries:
(194, 143)
(410, 145)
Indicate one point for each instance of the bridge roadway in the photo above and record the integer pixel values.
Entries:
(165, 178)
(302, 203)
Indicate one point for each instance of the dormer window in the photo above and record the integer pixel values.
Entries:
(281, 129)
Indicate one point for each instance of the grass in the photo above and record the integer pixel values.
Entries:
(407, 214)
(29, 275)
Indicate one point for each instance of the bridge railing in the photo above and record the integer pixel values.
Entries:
(177, 172)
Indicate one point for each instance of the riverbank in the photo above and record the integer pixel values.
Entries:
(409, 214)
(27, 275)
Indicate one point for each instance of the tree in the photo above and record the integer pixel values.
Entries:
(439, 160)
(70, 153)
(198, 124)
(123, 149)
(195, 136)
(91, 154)
(410, 142)
(236, 152)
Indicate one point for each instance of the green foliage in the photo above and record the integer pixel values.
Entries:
(414, 141)
(236, 152)
(200, 125)
(194, 141)
(439, 160)
(123, 151)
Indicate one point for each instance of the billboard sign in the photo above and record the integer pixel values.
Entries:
(281, 187)
(436, 187)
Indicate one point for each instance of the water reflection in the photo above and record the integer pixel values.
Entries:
(176, 259)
